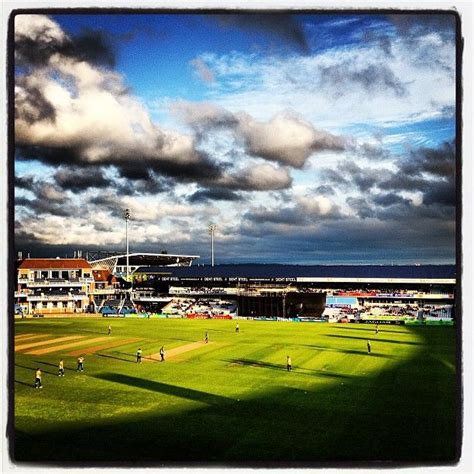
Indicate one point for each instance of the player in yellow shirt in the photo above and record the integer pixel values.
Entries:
(61, 368)
(288, 363)
(139, 356)
(38, 383)
(80, 364)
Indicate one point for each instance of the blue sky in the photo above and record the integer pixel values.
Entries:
(308, 138)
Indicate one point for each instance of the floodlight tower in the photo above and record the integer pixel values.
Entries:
(212, 229)
(126, 216)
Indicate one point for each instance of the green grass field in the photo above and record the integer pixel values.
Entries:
(232, 401)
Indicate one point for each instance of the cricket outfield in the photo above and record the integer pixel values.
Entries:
(232, 401)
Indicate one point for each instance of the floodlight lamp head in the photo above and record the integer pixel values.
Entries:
(127, 214)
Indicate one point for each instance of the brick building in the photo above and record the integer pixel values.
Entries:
(54, 285)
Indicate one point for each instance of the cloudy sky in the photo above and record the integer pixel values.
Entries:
(306, 138)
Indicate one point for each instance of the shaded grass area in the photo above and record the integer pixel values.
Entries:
(235, 403)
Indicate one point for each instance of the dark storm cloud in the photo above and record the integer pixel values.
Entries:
(304, 212)
(50, 155)
(287, 215)
(348, 172)
(399, 181)
(325, 190)
(372, 152)
(438, 162)
(106, 200)
(49, 198)
(363, 179)
(389, 199)
(80, 179)
(429, 171)
(387, 207)
(441, 193)
(371, 78)
(334, 176)
(282, 25)
(27, 242)
(133, 171)
(93, 46)
(25, 182)
(415, 25)
(216, 194)
(361, 206)
(409, 239)
(120, 133)
(414, 29)
(31, 102)
(204, 170)
(151, 185)
(131, 165)
(44, 206)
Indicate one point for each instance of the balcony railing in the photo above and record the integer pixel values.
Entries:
(86, 280)
(50, 298)
(19, 294)
(37, 283)
(104, 291)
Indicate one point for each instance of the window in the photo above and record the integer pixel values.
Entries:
(65, 275)
(55, 274)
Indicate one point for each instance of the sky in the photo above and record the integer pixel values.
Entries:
(306, 138)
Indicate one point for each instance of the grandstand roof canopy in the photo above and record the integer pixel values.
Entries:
(111, 260)
(311, 272)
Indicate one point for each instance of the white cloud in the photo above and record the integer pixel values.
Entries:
(90, 110)
(38, 28)
(269, 85)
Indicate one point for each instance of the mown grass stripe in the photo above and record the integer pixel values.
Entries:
(30, 337)
(67, 346)
(101, 347)
(48, 342)
(178, 350)
(18, 336)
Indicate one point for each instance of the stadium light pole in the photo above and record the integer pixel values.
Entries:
(127, 218)
(212, 229)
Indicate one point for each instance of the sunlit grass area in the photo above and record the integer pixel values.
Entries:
(232, 400)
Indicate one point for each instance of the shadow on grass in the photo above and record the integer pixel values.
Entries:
(25, 384)
(129, 354)
(114, 357)
(256, 363)
(34, 368)
(45, 363)
(166, 389)
(353, 351)
(370, 329)
(282, 367)
(412, 343)
(95, 332)
(387, 416)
